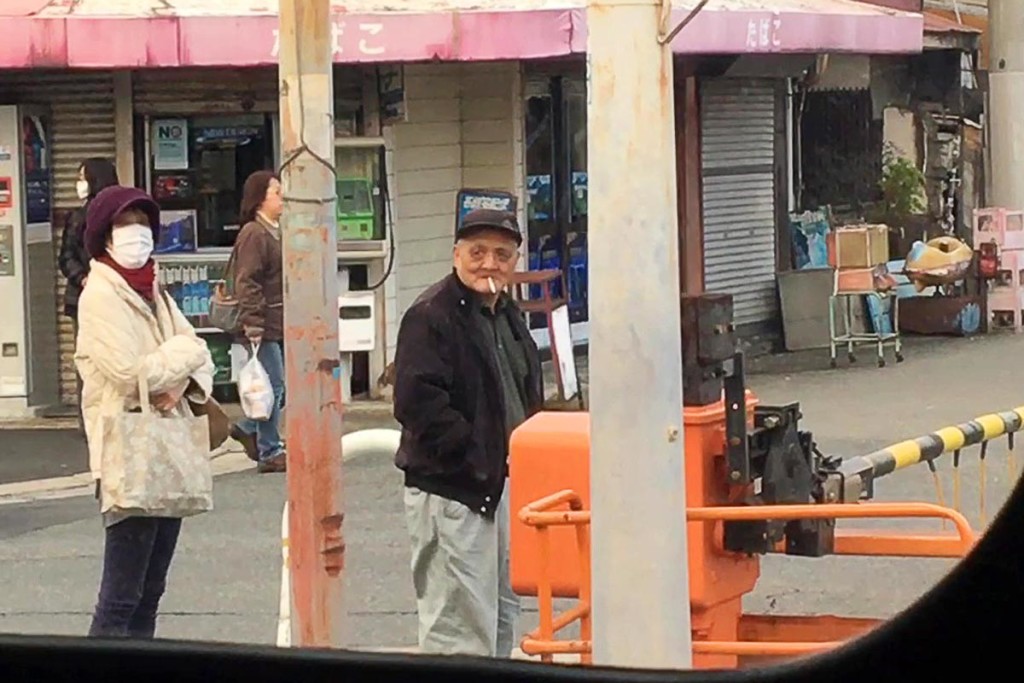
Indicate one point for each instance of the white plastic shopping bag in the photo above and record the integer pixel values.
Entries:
(254, 389)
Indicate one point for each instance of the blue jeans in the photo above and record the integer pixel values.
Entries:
(268, 433)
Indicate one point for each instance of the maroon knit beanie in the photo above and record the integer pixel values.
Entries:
(105, 206)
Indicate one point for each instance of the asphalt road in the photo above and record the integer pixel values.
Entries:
(225, 581)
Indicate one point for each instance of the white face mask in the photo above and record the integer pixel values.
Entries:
(131, 246)
(82, 188)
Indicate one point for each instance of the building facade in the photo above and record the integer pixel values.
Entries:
(410, 133)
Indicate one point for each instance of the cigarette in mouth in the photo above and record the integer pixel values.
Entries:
(490, 283)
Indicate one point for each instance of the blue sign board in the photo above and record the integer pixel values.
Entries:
(469, 200)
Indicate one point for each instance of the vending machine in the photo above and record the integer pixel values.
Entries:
(29, 350)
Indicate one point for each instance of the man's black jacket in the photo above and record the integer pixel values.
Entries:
(448, 397)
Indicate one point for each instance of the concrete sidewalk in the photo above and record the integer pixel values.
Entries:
(38, 463)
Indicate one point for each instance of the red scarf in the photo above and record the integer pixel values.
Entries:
(141, 280)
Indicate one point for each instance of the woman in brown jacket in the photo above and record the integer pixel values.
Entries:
(259, 287)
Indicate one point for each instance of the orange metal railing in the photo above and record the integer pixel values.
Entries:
(543, 514)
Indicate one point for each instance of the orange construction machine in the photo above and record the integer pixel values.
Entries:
(756, 484)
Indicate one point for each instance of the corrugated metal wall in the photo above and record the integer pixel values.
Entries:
(738, 167)
(82, 110)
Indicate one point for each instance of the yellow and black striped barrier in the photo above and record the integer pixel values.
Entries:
(858, 474)
(947, 440)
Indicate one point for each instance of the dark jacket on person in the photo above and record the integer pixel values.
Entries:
(259, 279)
(73, 260)
(449, 399)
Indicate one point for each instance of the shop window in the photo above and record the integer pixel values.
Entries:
(540, 161)
(197, 168)
(576, 237)
(556, 180)
(576, 130)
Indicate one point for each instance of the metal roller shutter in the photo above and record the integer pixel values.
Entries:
(82, 110)
(738, 167)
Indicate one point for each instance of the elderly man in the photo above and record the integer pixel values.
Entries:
(467, 373)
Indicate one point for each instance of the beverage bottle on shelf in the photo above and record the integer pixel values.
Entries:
(207, 291)
(204, 294)
(189, 290)
(174, 284)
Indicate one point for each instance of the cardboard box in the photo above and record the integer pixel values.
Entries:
(856, 280)
(859, 246)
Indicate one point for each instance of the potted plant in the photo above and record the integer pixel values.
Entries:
(903, 189)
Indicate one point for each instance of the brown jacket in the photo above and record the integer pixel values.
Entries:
(259, 280)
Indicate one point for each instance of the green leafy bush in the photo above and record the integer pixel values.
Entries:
(903, 188)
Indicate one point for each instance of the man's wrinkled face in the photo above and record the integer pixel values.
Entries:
(486, 254)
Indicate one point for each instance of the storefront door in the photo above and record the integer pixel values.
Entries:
(556, 184)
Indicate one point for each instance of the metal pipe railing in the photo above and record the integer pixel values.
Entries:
(542, 514)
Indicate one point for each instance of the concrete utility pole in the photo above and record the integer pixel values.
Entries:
(1006, 102)
(316, 541)
(641, 601)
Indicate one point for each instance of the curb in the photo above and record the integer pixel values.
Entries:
(228, 459)
(56, 424)
(363, 408)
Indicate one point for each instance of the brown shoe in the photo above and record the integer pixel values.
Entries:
(279, 463)
(247, 440)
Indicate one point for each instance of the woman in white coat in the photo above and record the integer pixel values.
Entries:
(129, 329)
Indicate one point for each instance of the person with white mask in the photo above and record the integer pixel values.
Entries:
(130, 329)
(94, 175)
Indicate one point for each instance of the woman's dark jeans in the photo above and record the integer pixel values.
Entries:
(136, 558)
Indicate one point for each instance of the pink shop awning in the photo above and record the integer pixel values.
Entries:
(171, 33)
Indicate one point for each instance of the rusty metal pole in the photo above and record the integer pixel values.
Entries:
(1006, 100)
(309, 239)
(641, 606)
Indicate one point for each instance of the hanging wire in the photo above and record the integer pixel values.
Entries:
(304, 147)
(1011, 461)
(389, 222)
(957, 503)
(938, 486)
(667, 15)
(981, 483)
